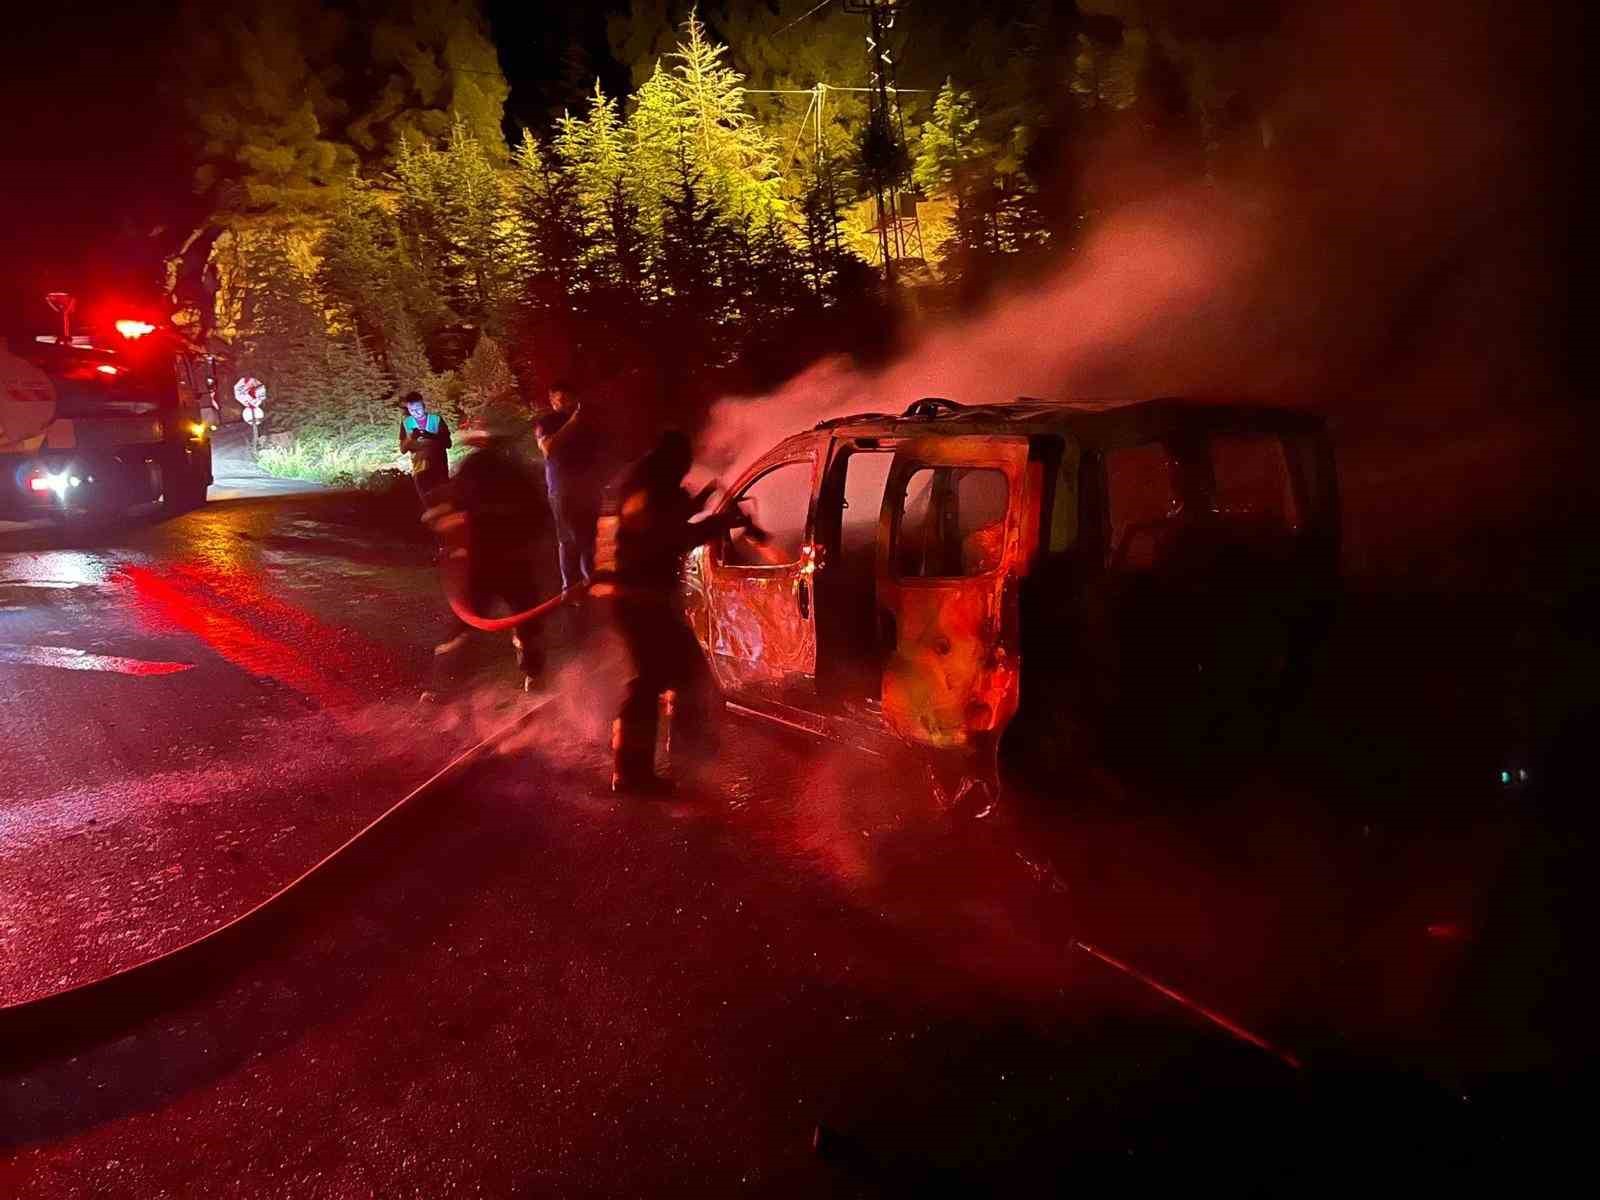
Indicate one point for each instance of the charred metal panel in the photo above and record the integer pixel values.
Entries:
(756, 621)
(951, 677)
(759, 633)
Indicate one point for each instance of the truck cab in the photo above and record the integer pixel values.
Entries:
(101, 425)
(952, 573)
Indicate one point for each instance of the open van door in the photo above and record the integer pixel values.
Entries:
(963, 522)
(759, 624)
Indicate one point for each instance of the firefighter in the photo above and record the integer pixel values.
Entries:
(653, 533)
(425, 437)
(494, 520)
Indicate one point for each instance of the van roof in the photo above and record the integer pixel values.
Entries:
(1091, 422)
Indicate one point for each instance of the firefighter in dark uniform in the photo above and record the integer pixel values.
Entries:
(653, 533)
(495, 522)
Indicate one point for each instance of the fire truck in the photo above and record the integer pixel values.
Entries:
(104, 421)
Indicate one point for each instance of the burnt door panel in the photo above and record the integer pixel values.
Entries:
(760, 620)
(955, 510)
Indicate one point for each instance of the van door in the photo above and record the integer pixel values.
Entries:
(847, 529)
(963, 524)
(760, 620)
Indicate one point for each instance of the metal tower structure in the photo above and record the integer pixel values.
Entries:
(899, 231)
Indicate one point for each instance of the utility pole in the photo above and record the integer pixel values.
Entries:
(899, 231)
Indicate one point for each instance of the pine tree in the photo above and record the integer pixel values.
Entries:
(733, 152)
(454, 216)
(552, 321)
(485, 378)
(550, 211)
(693, 249)
(593, 148)
(596, 150)
(822, 220)
(320, 380)
(653, 137)
(953, 159)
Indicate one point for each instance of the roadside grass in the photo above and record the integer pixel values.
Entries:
(345, 460)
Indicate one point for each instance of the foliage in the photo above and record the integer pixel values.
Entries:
(486, 378)
(282, 117)
(716, 132)
(697, 233)
(265, 105)
(453, 213)
(318, 378)
(341, 459)
(439, 71)
(995, 216)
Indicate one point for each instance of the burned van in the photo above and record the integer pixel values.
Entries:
(1057, 570)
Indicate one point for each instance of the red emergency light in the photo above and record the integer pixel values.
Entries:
(132, 329)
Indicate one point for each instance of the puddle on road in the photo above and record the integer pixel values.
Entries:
(18, 595)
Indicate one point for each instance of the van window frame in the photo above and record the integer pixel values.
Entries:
(912, 466)
(808, 460)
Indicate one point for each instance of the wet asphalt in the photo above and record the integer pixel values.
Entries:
(529, 987)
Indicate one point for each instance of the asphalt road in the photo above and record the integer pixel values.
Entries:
(530, 988)
(192, 710)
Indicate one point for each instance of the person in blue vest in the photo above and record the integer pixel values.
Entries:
(425, 437)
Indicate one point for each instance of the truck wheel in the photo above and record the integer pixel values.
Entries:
(183, 488)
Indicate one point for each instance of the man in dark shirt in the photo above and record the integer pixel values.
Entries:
(654, 532)
(572, 476)
(425, 437)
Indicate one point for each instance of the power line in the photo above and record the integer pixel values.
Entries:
(811, 12)
(832, 88)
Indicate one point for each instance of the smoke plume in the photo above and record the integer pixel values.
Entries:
(1383, 254)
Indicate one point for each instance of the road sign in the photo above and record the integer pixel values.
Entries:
(252, 413)
(250, 392)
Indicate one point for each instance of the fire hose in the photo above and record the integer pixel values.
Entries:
(538, 612)
(92, 1012)
(450, 525)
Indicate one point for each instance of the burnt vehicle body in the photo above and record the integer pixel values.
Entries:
(1054, 570)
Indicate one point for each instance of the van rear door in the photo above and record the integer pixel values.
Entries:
(962, 519)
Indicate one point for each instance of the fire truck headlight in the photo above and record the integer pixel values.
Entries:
(57, 483)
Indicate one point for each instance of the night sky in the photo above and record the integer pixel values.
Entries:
(92, 140)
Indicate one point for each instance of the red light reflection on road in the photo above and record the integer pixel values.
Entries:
(312, 664)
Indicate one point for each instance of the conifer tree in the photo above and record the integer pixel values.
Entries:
(654, 133)
(485, 378)
(821, 226)
(732, 152)
(550, 211)
(321, 380)
(453, 214)
(552, 322)
(692, 252)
